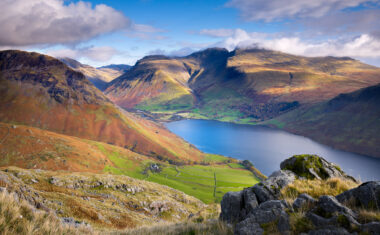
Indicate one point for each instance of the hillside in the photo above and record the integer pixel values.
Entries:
(41, 91)
(34, 148)
(105, 202)
(349, 121)
(244, 86)
(97, 76)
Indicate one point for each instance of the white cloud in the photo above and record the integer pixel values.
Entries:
(217, 32)
(363, 46)
(280, 9)
(33, 22)
(96, 54)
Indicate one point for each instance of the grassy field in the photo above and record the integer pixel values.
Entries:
(206, 182)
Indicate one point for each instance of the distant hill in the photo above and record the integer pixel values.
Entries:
(98, 76)
(41, 91)
(119, 67)
(243, 85)
(349, 121)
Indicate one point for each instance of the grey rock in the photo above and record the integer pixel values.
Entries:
(250, 201)
(329, 231)
(303, 200)
(367, 195)
(314, 167)
(330, 205)
(371, 228)
(231, 206)
(262, 193)
(319, 221)
(248, 227)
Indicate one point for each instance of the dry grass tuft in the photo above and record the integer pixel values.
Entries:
(317, 188)
(211, 227)
(19, 217)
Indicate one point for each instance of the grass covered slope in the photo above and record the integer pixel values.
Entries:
(349, 121)
(154, 83)
(42, 91)
(33, 148)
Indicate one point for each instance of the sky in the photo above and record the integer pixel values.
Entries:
(101, 32)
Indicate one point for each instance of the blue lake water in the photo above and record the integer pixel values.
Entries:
(266, 147)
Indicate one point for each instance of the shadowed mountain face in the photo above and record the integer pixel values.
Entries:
(98, 76)
(349, 121)
(42, 91)
(242, 85)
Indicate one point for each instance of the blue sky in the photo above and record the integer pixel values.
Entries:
(99, 32)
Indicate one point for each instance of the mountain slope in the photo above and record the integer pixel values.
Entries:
(34, 148)
(349, 121)
(98, 76)
(242, 85)
(41, 91)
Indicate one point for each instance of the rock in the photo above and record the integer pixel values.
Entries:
(270, 188)
(231, 206)
(313, 167)
(371, 228)
(3, 189)
(247, 227)
(262, 193)
(319, 221)
(329, 205)
(329, 231)
(302, 200)
(272, 211)
(367, 195)
(249, 201)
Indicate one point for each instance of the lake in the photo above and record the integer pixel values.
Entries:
(266, 147)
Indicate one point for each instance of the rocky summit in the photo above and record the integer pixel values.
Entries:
(266, 208)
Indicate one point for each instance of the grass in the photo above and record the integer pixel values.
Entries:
(195, 180)
(211, 227)
(317, 188)
(19, 217)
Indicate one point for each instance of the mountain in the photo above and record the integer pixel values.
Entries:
(98, 76)
(118, 67)
(349, 121)
(243, 85)
(41, 91)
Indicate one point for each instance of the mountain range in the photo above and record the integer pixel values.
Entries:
(250, 86)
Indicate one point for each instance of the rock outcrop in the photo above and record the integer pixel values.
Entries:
(259, 209)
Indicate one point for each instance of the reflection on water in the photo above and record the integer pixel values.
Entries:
(266, 147)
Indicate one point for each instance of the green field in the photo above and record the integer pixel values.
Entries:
(207, 182)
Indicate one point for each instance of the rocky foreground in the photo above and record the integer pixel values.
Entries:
(274, 207)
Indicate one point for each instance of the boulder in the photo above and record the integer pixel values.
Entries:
(303, 200)
(236, 205)
(367, 195)
(248, 227)
(231, 206)
(329, 205)
(313, 167)
(371, 228)
(329, 231)
(272, 211)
